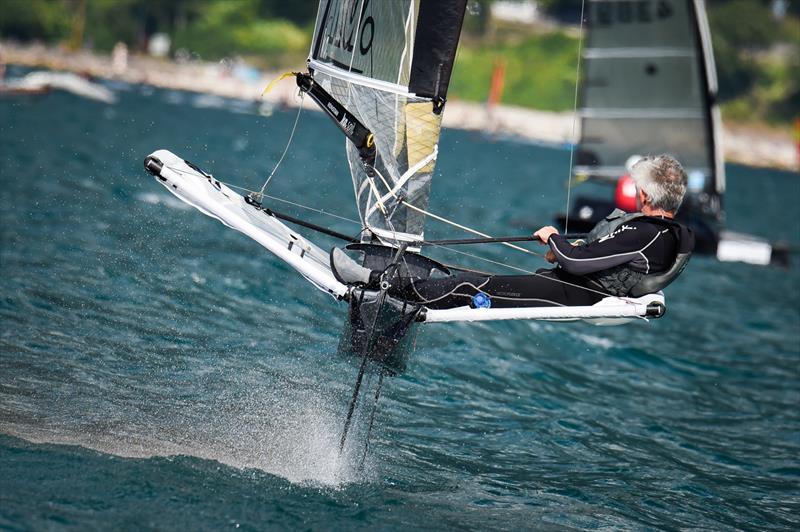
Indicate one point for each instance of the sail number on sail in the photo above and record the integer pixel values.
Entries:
(340, 31)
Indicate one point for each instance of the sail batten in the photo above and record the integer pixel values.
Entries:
(389, 64)
(357, 79)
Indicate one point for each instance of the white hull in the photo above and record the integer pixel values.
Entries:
(609, 311)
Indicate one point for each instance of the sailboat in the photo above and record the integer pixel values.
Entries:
(648, 86)
(380, 71)
(42, 82)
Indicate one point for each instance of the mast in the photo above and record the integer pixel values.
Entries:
(708, 69)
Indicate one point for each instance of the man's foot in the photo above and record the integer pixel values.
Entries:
(348, 271)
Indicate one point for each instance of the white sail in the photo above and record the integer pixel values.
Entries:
(389, 63)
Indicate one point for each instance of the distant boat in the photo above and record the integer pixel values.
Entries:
(43, 81)
(649, 86)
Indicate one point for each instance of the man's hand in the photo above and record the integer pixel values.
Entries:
(545, 233)
(551, 257)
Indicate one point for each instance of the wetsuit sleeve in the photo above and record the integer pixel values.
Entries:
(601, 255)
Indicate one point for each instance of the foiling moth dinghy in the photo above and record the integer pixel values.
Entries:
(378, 325)
(385, 91)
(215, 199)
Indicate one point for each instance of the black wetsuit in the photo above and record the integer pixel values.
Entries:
(642, 245)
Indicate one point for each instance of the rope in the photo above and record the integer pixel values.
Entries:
(448, 248)
(452, 292)
(444, 220)
(261, 194)
(425, 213)
(529, 272)
(505, 265)
(469, 230)
(275, 81)
(574, 118)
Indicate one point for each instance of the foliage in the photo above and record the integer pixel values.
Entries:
(110, 21)
(736, 72)
(755, 80)
(757, 57)
(540, 71)
(233, 27)
(774, 95)
(212, 28)
(564, 10)
(26, 20)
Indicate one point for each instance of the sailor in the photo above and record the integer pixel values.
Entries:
(626, 254)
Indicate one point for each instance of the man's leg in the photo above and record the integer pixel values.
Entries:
(444, 292)
(545, 288)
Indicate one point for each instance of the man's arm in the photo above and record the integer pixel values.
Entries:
(590, 258)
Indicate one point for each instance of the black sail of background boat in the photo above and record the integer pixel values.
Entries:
(648, 85)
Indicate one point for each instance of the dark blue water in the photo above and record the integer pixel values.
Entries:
(158, 370)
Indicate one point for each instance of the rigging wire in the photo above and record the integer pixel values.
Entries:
(510, 266)
(574, 117)
(530, 272)
(299, 205)
(260, 194)
(447, 248)
(441, 246)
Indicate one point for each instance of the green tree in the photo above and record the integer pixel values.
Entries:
(229, 27)
(735, 42)
(27, 20)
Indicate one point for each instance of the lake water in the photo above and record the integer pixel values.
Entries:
(158, 370)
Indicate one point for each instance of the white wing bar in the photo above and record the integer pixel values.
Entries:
(218, 201)
(609, 311)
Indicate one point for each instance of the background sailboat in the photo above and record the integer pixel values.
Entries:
(648, 85)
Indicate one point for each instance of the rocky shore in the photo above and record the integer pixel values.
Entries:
(754, 146)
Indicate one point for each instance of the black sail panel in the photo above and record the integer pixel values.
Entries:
(438, 30)
(649, 86)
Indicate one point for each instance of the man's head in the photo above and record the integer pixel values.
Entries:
(660, 181)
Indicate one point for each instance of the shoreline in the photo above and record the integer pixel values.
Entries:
(752, 145)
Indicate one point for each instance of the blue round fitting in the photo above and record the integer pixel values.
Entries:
(481, 300)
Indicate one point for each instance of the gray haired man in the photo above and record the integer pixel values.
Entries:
(626, 254)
